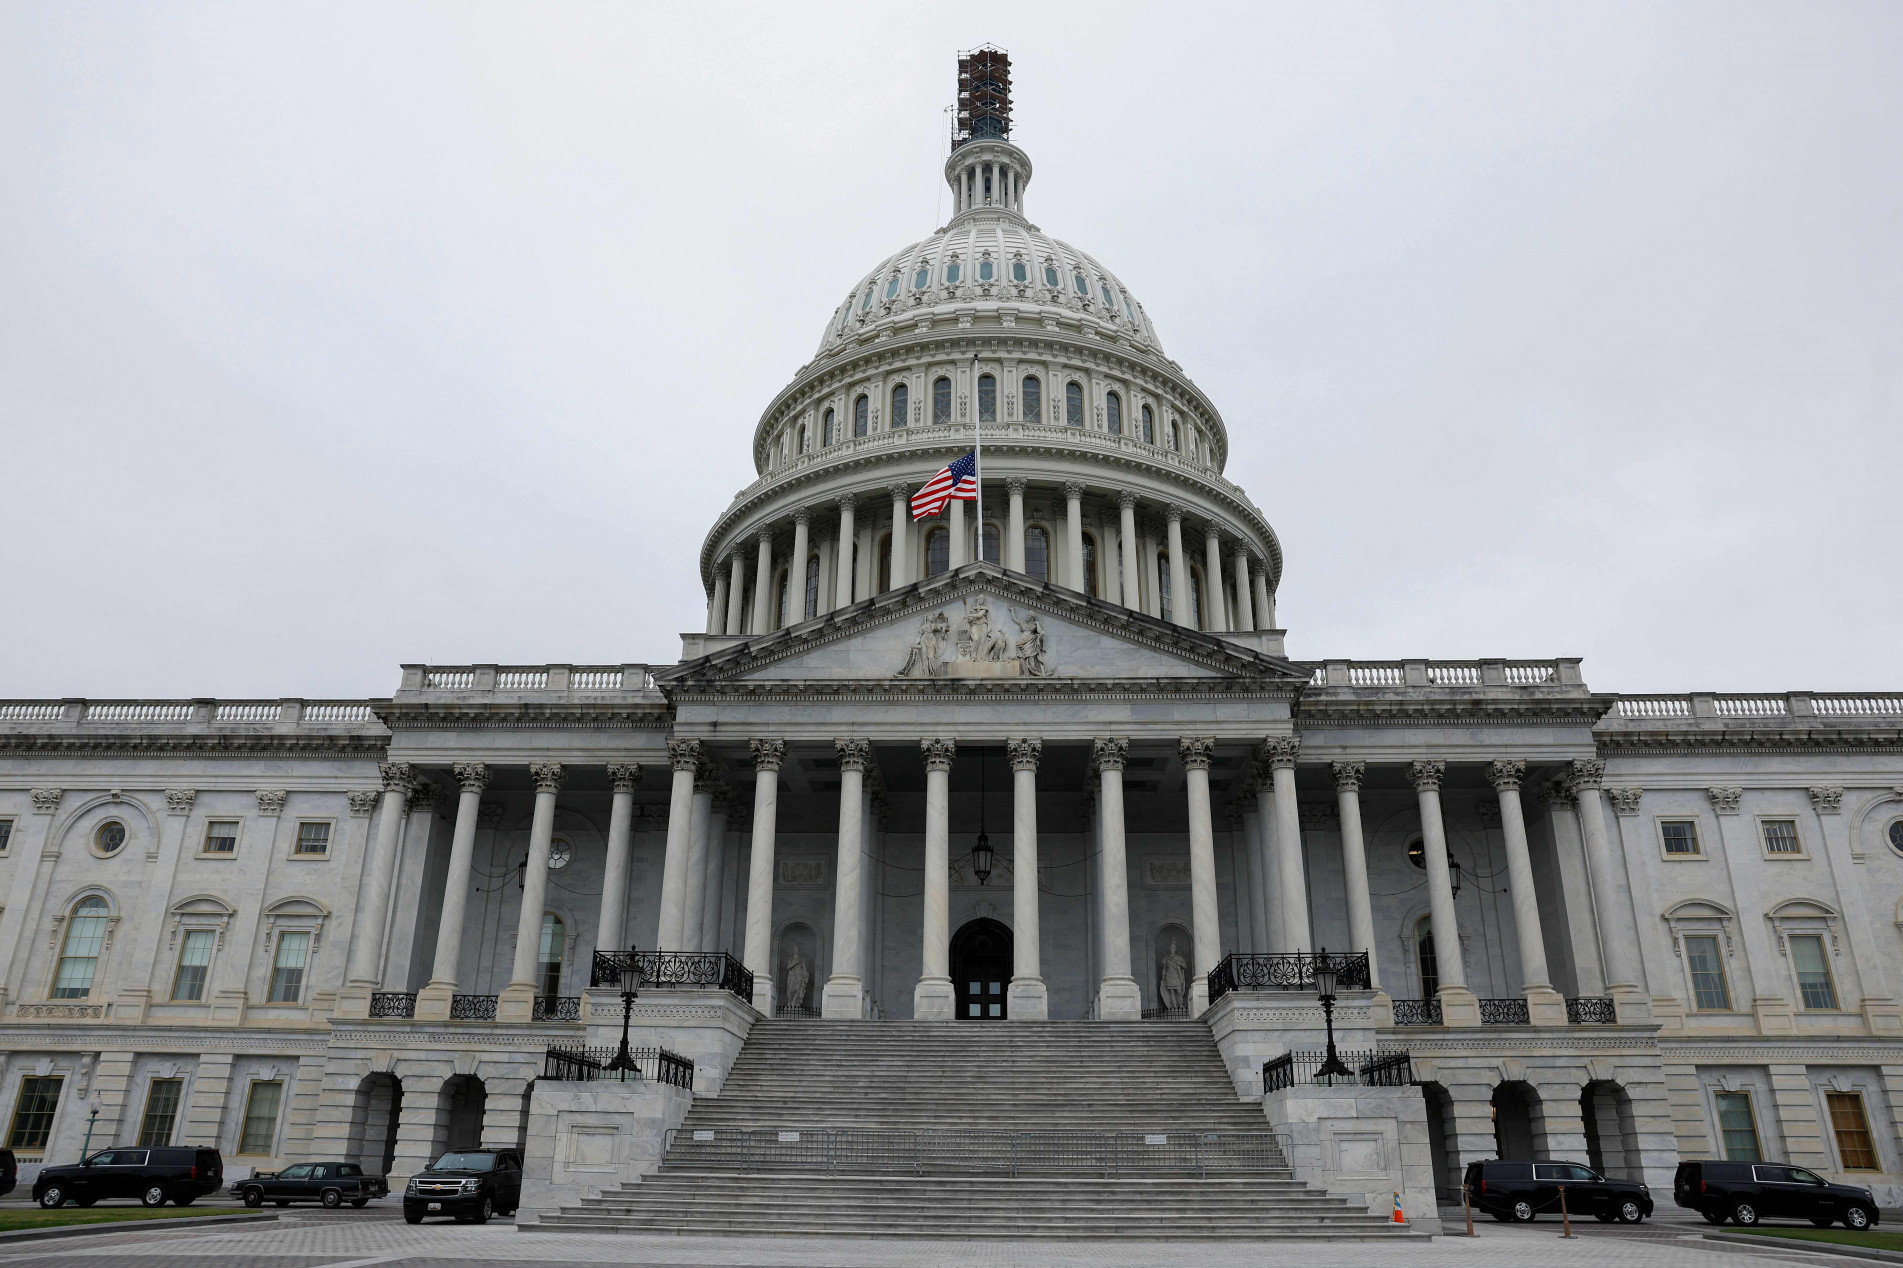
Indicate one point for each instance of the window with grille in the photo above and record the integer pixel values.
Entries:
(6, 834)
(221, 836)
(194, 961)
(1428, 962)
(937, 551)
(1074, 404)
(33, 1112)
(826, 431)
(1037, 553)
(941, 401)
(1032, 399)
(261, 1119)
(313, 838)
(1780, 836)
(861, 416)
(1149, 426)
(1113, 413)
(554, 944)
(1856, 1150)
(1163, 585)
(1195, 598)
(989, 542)
(1737, 1127)
(901, 405)
(79, 954)
(161, 1111)
(1710, 993)
(812, 586)
(779, 601)
(1680, 835)
(1813, 972)
(987, 399)
(1090, 565)
(287, 968)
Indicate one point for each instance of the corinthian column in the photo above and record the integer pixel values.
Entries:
(1132, 593)
(699, 832)
(517, 1001)
(1245, 603)
(1291, 880)
(1544, 1005)
(1074, 537)
(1212, 578)
(737, 593)
(684, 757)
(901, 534)
(1027, 999)
(758, 952)
(1014, 527)
(1458, 1005)
(1179, 571)
(1196, 752)
(1354, 862)
(622, 777)
(763, 612)
(1612, 896)
(432, 1002)
(932, 998)
(842, 564)
(1118, 998)
(366, 941)
(796, 568)
(845, 989)
(1264, 604)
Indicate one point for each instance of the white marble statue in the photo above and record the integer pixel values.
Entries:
(1173, 978)
(799, 979)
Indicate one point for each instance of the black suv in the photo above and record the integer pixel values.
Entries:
(9, 1172)
(154, 1176)
(1746, 1192)
(329, 1183)
(470, 1184)
(1523, 1191)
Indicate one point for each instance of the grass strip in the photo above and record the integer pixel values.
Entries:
(14, 1221)
(1873, 1239)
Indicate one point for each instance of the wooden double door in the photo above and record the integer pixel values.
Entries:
(981, 969)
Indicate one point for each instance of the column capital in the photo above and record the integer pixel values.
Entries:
(547, 776)
(1588, 772)
(424, 793)
(1281, 752)
(1347, 775)
(683, 754)
(1109, 753)
(1197, 751)
(1016, 485)
(1173, 513)
(707, 776)
(1024, 752)
(623, 776)
(802, 515)
(1212, 531)
(1073, 489)
(1625, 801)
(271, 800)
(472, 776)
(1127, 500)
(1257, 569)
(397, 776)
(846, 501)
(1505, 774)
(938, 753)
(767, 754)
(765, 536)
(1556, 793)
(46, 800)
(856, 754)
(1426, 776)
(1825, 801)
(363, 801)
(898, 489)
(1724, 801)
(178, 801)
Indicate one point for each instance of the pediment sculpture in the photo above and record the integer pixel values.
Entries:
(974, 646)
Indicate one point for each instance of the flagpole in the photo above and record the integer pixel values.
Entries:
(978, 461)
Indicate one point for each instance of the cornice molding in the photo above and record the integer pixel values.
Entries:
(317, 747)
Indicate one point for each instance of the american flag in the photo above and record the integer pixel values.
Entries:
(957, 482)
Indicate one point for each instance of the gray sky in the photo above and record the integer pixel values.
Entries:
(336, 336)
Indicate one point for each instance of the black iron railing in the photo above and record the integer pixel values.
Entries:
(472, 1007)
(888, 1152)
(392, 1004)
(1166, 1014)
(796, 1014)
(1379, 1067)
(1417, 1012)
(557, 1008)
(1505, 1012)
(590, 1065)
(1591, 1010)
(683, 970)
(1294, 971)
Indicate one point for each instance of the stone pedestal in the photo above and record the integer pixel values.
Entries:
(433, 1002)
(934, 1000)
(706, 1027)
(843, 999)
(516, 1002)
(1545, 1006)
(1118, 999)
(586, 1137)
(1252, 1027)
(1027, 999)
(1365, 1143)
(1458, 1006)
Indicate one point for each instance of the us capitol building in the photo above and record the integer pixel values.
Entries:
(1048, 763)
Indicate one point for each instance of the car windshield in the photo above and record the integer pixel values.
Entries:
(465, 1162)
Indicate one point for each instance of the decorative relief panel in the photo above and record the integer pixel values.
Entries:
(802, 873)
(1165, 873)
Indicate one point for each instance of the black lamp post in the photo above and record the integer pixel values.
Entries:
(623, 1060)
(1325, 979)
(982, 855)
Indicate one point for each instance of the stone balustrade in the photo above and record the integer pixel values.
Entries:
(196, 714)
(428, 681)
(1697, 705)
(1562, 672)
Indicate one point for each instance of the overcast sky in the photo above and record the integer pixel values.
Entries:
(338, 336)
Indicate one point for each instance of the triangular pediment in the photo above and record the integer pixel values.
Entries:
(981, 625)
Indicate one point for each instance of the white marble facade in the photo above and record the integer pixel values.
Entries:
(294, 928)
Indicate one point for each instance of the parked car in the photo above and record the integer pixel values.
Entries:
(1523, 1191)
(9, 1172)
(155, 1176)
(1747, 1192)
(329, 1183)
(470, 1184)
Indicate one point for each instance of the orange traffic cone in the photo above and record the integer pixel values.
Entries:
(1397, 1210)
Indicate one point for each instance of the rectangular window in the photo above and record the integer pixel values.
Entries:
(1813, 973)
(161, 1111)
(221, 836)
(194, 960)
(1855, 1149)
(1680, 835)
(287, 970)
(6, 834)
(1780, 836)
(261, 1119)
(33, 1113)
(1736, 1125)
(1710, 994)
(313, 838)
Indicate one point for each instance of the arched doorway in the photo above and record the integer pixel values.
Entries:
(464, 1100)
(1612, 1132)
(1515, 1106)
(375, 1112)
(981, 969)
(1442, 1135)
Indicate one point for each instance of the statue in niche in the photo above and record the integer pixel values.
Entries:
(1033, 652)
(926, 659)
(799, 979)
(978, 639)
(1172, 975)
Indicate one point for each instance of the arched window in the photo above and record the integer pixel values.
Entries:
(826, 436)
(1195, 597)
(1108, 300)
(288, 965)
(951, 273)
(1425, 959)
(867, 301)
(892, 287)
(987, 399)
(802, 439)
(1113, 413)
(986, 269)
(861, 416)
(885, 564)
(901, 405)
(79, 955)
(1018, 272)
(812, 587)
(941, 401)
(992, 540)
(1050, 276)
(1176, 438)
(1149, 426)
(922, 278)
(1090, 565)
(1083, 287)
(1037, 553)
(554, 942)
(1074, 404)
(1163, 584)
(937, 551)
(1033, 399)
(780, 592)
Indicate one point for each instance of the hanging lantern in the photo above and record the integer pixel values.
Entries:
(982, 858)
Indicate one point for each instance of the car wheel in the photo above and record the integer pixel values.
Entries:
(254, 1197)
(412, 1217)
(154, 1195)
(358, 1202)
(1630, 1212)
(1857, 1217)
(52, 1196)
(331, 1199)
(1523, 1211)
(1745, 1214)
(1713, 1217)
(483, 1212)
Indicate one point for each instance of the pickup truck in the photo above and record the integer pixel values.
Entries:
(329, 1183)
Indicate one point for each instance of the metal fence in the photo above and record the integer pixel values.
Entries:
(661, 970)
(590, 1065)
(1378, 1067)
(1505, 1012)
(1294, 971)
(557, 1008)
(392, 1004)
(472, 1007)
(1417, 1012)
(951, 1151)
(1591, 1010)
